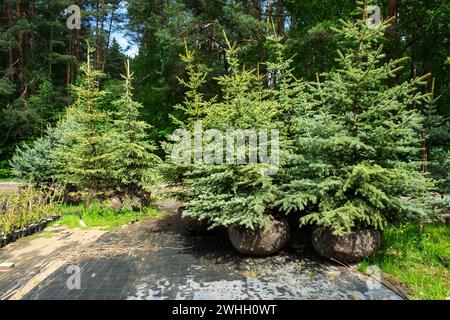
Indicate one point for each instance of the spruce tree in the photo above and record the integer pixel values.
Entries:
(194, 106)
(192, 109)
(358, 140)
(84, 152)
(227, 193)
(131, 154)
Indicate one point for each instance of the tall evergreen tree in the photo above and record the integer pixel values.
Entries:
(116, 60)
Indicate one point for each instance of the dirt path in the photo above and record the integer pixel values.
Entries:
(38, 256)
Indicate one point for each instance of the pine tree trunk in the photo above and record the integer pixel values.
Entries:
(279, 9)
(50, 50)
(100, 39)
(10, 50)
(268, 15)
(257, 9)
(21, 55)
(33, 18)
(105, 57)
(393, 10)
(69, 64)
(78, 45)
(97, 33)
(19, 39)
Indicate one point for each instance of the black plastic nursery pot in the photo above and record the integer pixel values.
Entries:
(349, 248)
(17, 235)
(31, 229)
(261, 242)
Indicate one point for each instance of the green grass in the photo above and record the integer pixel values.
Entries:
(103, 219)
(417, 258)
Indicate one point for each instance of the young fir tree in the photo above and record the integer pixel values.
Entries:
(84, 152)
(227, 193)
(358, 140)
(291, 95)
(192, 109)
(131, 154)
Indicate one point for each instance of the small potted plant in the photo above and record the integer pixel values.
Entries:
(6, 231)
(2, 231)
(40, 226)
(32, 228)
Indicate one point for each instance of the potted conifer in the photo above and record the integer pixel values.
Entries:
(357, 142)
(239, 197)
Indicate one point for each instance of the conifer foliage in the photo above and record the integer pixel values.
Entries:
(96, 150)
(228, 193)
(358, 140)
(85, 153)
(131, 152)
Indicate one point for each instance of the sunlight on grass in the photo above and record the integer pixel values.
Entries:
(419, 259)
(76, 216)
